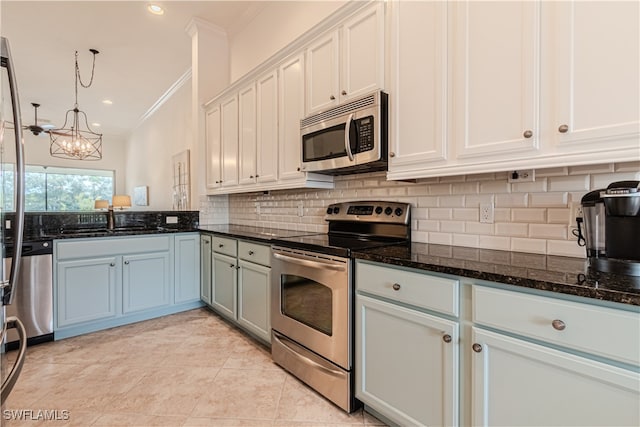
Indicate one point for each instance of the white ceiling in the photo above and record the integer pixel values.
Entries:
(141, 55)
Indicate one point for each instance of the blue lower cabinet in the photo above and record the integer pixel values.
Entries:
(86, 290)
(100, 283)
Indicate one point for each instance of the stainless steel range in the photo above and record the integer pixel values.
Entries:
(312, 293)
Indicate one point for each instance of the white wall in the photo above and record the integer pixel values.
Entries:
(277, 25)
(151, 146)
(36, 152)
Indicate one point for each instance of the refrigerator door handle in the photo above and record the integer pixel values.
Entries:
(10, 381)
(18, 226)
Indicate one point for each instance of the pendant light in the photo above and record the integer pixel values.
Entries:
(77, 140)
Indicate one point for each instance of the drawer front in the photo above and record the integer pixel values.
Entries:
(602, 331)
(88, 248)
(410, 287)
(225, 246)
(254, 252)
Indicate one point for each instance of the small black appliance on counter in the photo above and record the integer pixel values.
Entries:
(612, 228)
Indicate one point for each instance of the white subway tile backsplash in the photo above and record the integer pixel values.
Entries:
(466, 214)
(627, 167)
(440, 238)
(565, 248)
(548, 200)
(529, 217)
(602, 181)
(558, 216)
(518, 200)
(511, 229)
(548, 231)
(569, 183)
(451, 201)
(536, 246)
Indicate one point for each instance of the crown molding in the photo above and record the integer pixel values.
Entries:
(186, 77)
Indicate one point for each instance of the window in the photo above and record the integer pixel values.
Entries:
(50, 188)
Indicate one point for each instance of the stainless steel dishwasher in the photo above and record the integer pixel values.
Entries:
(33, 302)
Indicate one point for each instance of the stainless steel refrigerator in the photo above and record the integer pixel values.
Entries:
(12, 169)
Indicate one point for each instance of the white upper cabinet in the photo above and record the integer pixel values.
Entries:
(418, 91)
(291, 111)
(595, 85)
(247, 135)
(495, 82)
(229, 119)
(346, 62)
(267, 128)
(213, 147)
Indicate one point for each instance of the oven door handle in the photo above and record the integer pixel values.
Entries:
(316, 263)
(287, 345)
(347, 141)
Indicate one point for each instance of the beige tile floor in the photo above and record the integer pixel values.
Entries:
(188, 369)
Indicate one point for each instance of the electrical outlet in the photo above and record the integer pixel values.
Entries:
(486, 213)
(172, 220)
(7, 224)
(300, 208)
(575, 212)
(523, 175)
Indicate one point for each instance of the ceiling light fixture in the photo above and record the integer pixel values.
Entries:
(107, 101)
(155, 9)
(73, 142)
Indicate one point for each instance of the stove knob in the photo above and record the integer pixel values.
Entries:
(336, 210)
(398, 211)
(378, 210)
(388, 211)
(329, 210)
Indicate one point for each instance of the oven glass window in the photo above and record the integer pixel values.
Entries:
(308, 302)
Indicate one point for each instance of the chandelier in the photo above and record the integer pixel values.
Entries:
(77, 140)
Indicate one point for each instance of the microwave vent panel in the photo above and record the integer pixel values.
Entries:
(340, 110)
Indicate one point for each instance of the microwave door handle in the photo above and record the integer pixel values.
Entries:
(347, 142)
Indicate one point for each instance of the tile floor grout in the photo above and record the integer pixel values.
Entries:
(189, 369)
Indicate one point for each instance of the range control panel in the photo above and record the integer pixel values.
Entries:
(389, 212)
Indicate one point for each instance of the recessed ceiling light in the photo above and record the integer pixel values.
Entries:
(95, 124)
(107, 101)
(155, 9)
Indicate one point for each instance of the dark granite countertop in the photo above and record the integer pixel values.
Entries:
(543, 272)
(260, 234)
(76, 234)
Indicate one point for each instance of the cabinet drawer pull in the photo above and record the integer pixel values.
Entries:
(332, 97)
(113, 264)
(251, 176)
(206, 242)
(563, 129)
(220, 245)
(446, 338)
(250, 252)
(396, 286)
(298, 169)
(392, 154)
(527, 134)
(558, 325)
(477, 348)
(126, 263)
(344, 92)
(231, 265)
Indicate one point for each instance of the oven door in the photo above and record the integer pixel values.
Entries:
(311, 300)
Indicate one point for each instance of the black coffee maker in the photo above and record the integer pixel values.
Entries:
(612, 228)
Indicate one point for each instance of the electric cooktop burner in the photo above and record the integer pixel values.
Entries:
(355, 226)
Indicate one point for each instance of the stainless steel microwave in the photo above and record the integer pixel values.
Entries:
(349, 138)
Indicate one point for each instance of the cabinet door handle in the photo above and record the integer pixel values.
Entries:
(446, 338)
(563, 129)
(220, 245)
(206, 242)
(257, 176)
(477, 348)
(527, 134)
(396, 286)
(558, 325)
(392, 154)
(250, 252)
(298, 169)
(251, 176)
(231, 265)
(126, 263)
(332, 97)
(344, 92)
(113, 264)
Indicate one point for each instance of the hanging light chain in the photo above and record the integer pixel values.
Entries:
(79, 78)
